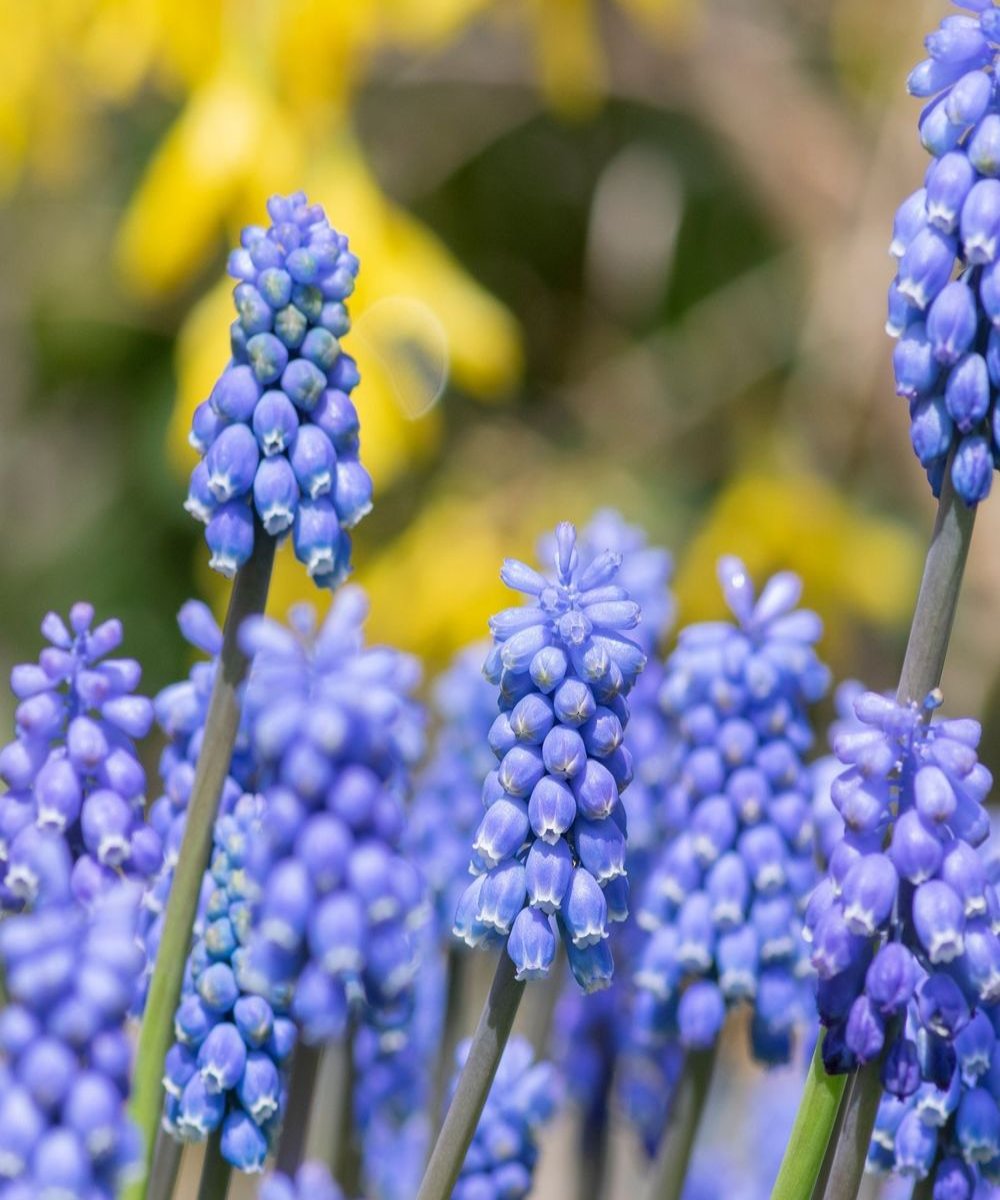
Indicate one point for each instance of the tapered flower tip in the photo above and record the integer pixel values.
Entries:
(737, 587)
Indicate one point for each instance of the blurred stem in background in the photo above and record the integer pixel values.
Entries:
(670, 1168)
(295, 1125)
(249, 597)
(923, 664)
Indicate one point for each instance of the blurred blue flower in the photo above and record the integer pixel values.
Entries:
(500, 1162)
(64, 1052)
(279, 433)
(335, 731)
(722, 904)
(312, 1181)
(447, 801)
(72, 819)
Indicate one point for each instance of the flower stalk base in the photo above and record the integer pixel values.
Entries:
(474, 1083)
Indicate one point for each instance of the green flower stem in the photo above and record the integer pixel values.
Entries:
(810, 1134)
(215, 1171)
(248, 598)
(166, 1164)
(295, 1126)
(819, 1187)
(670, 1168)
(923, 663)
(466, 1106)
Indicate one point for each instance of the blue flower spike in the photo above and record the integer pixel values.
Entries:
(944, 303)
(335, 732)
(904, 939)
(279, 433)
(722, 905)
(552, 839)
(71, 819)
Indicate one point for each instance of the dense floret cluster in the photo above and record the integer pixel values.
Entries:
(279, 433)
(335, 730)
(550, 850)
(723, 903)
(72, 819)
(903, 928)
(504, 1150)
(944, 304)
(64, 1074)
(948, 1128)
(226, 1069)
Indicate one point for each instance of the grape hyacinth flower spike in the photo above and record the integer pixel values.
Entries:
(944, 303)
(279, 433)
(72, 819)
(946, 367)
(904, 938)
(279, 439)
(335, 730)
(549, 854)
(723, 902)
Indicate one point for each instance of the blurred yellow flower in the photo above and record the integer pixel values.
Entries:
(855, 566)
(230, 147)
(569, 46)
